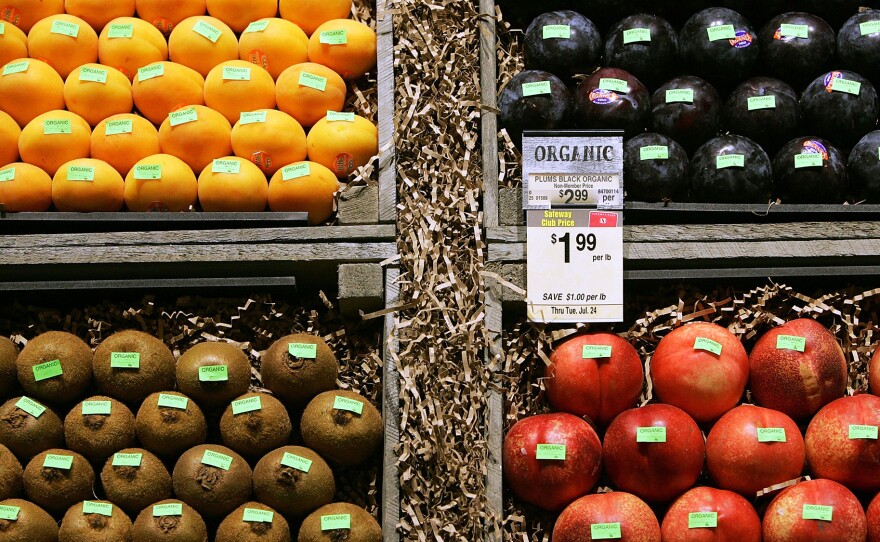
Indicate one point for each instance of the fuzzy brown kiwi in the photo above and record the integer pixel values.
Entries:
(234, 528)
(186, 527)
(295, 380)
(155, 370)
(97, 436)
(93, 527)
(76, 363)
(290, 490)
(255, 432)
(33, 524)
(25, 434)
(341, 436)
(211, 490)
(132, 487)
(57, 489)
(168, 431)
(213, 394)
(10, 474)
(364, 527)
(8, 374)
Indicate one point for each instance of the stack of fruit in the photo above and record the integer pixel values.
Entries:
(653, 456)
(232, 105)
(155, 467)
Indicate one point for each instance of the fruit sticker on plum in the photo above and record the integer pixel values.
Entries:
(791, 342)
(596, 351)
(818, 512)
(839, 84)
(863, 432)
(741, 40)
(721, 32)
(556, 31)
(636, 35)
(605, 531)
(654, 152)
(680, 95)
(617, 85)
(730, 160)
(601, 96)
(869, 27)
(554, 452)
(788, 32)
(807, 159)
(771, 434)
(536, 88)
(761, 102)
(702, 343)
(702, 520)
(650, 434)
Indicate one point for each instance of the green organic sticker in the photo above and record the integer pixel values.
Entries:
(90, 408)
(303, 350)
(247, 405)
(311, 80)
(702, 520)
(680, 95)
(550, 451)
(338, 116)
(335, 521)
(869, 27)
(148, 172)
(30, 406)
(100, 508)
(702, 343)
(791, 342)
(617, 85)
(295, 172)
(176, 118)
(127, 460)
(556, 31)
(634, 35)
(234, 73)
(650, 434)
(214, 373)
(232, 167)
(50, 369)
(762, 102)
(7, 174)
(818, 512)
(127, 360)
(120, 31)
(64, 28)
(16, 67)
(255, 515)
(172, 401)
(56, 461)
(80, 173)
(333, 37)
(116, 127)
(596, 351)
(807, 159)
(536, 89)
(208, 31)
(722, 32)
(845, 85)
(9, 513)
(351, 405)
(216, 459)
(296, 462)
(252, 117)
(771, 434)
(794, 31)
(170, 509)
(2, 28)
(654, 152)
(867, 432)
(257, 26)
(95, 75)
(605, 531)
(730, 160)
(151, 71)
(57, 126)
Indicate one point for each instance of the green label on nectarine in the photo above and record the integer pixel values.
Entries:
(100, 508)
(57, 126)
(9, 513)
(595, 351)
(80, 173)
(235, 73)
(702, 343)
(650, 434)
(64, 28)
(755, 103)
(721, 32)
(255, 515)
(127, 460)
(351, 405)
(335, 521)
(2, 28)
(247, 405)
(7, 175)
(605, 531)
(55, 461)
(50, 369)
(257, 26)
(252, 117)
(216, 459)
(116, 127)
(295, 172)
(771, 434)
(30, 406)
(95, 75)
(151, 71)
(214, 373)
(536, 88)
(634, 35)
(340, 116)
(173, 401)
(791, 342)
(817, 511)
(16, 67)
(207, 30)
(702, 520)
(169, 509)
(120, 31)
(680, 95)
(233, 167)
(556, 31)
(311, 80)
(176, 118)
(863, 432)
(90, 408)
(126, 360)
(333, 37)
(550, 451)
(148, 172)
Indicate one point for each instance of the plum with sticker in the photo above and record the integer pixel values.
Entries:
(563, 43)
(764, 109)
(644, 45)
(718, 44)
(796, 47)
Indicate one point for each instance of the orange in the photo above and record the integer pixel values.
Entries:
(54, 138)
(352, 58)
(29, 88)
(9, 134)
(306, 187)
(64, 41)
(299, 93)
(198, 136)
(25, 188)
(99, 12)
(13, 43)
(129, 44)
(96, 92)
(343, 146)
(166, 14)
(238, 15)
(310, 14)
(87, 186)
(274, 44)
(25, 13)
(236, 86)
(160, 181)
(202, 43)
(161, 87)
(232, 184)
(122, 140)
(270, 139)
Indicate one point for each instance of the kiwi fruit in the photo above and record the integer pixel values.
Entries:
(10, 474)
(76, 365)
(8, 375)
(93, 527)
(297, 379)
(25, 434)
(213, 491)
(154, 526)
(290, 490)
(155, 370)
(57, 489)
(99, 435)
(134, 487)
(33, 524)
(166, 430)
(234, 528)
(213, 394)
(364, 527)
(342, 436)
(255, 432)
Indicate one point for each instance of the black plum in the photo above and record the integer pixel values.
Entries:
(730, 169)
(804, 181)
(644, 45)
(863, 167)
(765, 110)
(757, 12)
(719, 45)
(835, 114)
(562, 56)
(788, 55)
(833, 11)
(520, 13)
(627, 108)
(691, 121)
(858, 44)
(540, 111)
(647, 174)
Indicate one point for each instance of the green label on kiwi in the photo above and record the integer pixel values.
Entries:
(296, 462)
(351, 405)
(56, 461)
(303, 350)
(102, 508)
(173, 401)
(30, 406)
(791, 342)
(170, 509)
(127, 460)
(247, 405)
(50, 369)
(255, 515)
(96, 407)
(335, 521)
(9, 513)
(125, 360)
(216, 459)
(214, 373)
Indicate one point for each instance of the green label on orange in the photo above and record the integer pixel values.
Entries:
(536, 88)
(702, 520)
(845, 85)
(596, 351)
(80, 173)
(351, 405)
(235, 73)
(30, 406)
(771, 434)
(57, 126)
(57, 461)
(296, 462)
(818, 512)
(335, 521)
(550, 452)
(7, 175)
(867, 432)
(232, 167)
(303, 350)
(634, 35)
(247, 405)
(216, 459)
(610, 83)
(680, 95)
(255, 515)
(170, 509)
(172, 401)
(95, 75)
(650, 434)
(605, 531)
(151, 71)
(333, 37)
(256, 26)
(127, 460)
(702, 343)
(148, 172)
(311, 80)
(212, 33)
(100, 508)
(337, 116)
(214, 373)
(794, 31)
(730, 160)
(2, 28)
(252, 117)
(64, 28)
(722, 32)
(791, 342)
(96, 407)
(556, 31)
(120, 31)
(761, 102)
(16, 67)
(295, 172)
(176, 118)
(116, 127)
(869, 27)
(654, 152)
(9, 513)
(807, 159)
(50, 369)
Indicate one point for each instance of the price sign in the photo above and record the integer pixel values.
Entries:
(575, 266)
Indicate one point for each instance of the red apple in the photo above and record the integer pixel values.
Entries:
(874, 372)
(688, 373)
(739, 462)
(552, 484)
(654, 471)
(597, 387)
(784, 519)
(637, 522)
(793, 382)
(873, 516)
(834, 453)
(736, 519)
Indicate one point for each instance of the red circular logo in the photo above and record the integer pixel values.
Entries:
(343, 164)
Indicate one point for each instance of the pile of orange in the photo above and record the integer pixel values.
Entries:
(173, 104)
